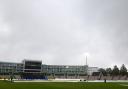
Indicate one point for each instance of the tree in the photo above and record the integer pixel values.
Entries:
(115, 71)
(103, 71)
(123, 70)
(109, 71)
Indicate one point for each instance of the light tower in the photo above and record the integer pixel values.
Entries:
(86, 58)
(86, 64)
(86, 61)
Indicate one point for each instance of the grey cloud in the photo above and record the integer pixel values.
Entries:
(61, 31)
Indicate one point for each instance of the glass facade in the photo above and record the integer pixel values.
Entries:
(36, 68)
(62, 69)
(32, 66)
(6, 67)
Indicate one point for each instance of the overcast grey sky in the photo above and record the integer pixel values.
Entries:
(61, 31)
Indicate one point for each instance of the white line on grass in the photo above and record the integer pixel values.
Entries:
(124, 84)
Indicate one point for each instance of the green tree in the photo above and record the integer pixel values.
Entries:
(123, 70)
(115, 71)
(109, 71)
(103, 71)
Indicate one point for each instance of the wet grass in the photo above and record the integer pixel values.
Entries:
(61, 85)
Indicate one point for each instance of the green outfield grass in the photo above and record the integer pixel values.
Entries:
(60, 85)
